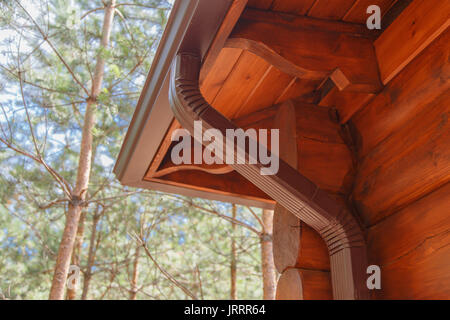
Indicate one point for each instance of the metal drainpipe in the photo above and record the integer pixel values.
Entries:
(335, 224)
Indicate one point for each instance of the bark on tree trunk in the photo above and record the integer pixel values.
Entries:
(84, 168)
(233, 267)
(71, 293)
(134, 278)
(91, 258)
(268, 266)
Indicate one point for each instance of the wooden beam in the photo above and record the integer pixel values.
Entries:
(311, 48)
(416, 27)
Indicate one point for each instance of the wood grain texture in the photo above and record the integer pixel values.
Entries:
(292, 6)
(292, 190)
(409, 93)
(334, 10)
(410, 228)
(222, 34)
(286, 226)
(299, 284)
(347, 103)
(358, 12)
(410, 163)
(322, 49)
(243, 79)
(219, 73)
(313, 122)
(266, 92)
(329, 165)
(418, 25)
(421, 274)
(323, 156)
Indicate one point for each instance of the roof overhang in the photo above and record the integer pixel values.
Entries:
(192, 26)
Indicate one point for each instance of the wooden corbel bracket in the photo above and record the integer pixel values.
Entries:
(311, 48)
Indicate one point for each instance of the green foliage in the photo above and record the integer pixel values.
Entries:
(54, 70)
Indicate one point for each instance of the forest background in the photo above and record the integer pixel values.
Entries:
(70, 76)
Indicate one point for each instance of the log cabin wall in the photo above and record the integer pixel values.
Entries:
(402, 136)
(400, 142)
(389, 153)
(383, 151)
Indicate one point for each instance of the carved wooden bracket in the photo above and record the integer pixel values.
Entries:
(311, 48)
(336, 225)
(212, 169)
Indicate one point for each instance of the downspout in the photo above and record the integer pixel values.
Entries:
(338, 228)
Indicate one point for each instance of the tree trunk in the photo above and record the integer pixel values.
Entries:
(233, 267)
(91, 258)
(84, 168)
(268, 266)
(134, 278)
(76, 254)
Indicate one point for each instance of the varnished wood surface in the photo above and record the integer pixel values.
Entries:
(302, 284)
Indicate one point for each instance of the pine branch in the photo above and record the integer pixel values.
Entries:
(45, 37)
(141, 242)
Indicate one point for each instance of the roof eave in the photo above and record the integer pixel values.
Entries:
(192, 25)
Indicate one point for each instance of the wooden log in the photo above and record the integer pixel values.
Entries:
(411, 247)
(409, 164)
(295, 244)
(314, 123)
(418, 25)
(410, 228)
(322, 155)
(170, 167)
(300, 284)
(423, 273)
(409, 93)
(329, 165)
(286, 226)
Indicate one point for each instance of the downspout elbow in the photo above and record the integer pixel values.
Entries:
(336, 225)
